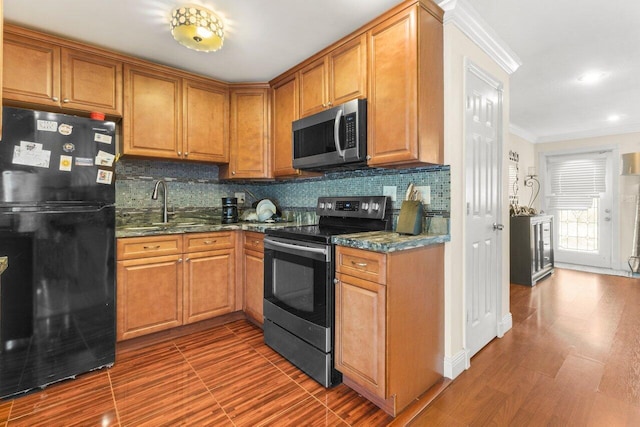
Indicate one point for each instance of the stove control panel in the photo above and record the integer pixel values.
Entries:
(371, 207)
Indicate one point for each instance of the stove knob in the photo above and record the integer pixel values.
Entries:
(321, 205)
(375, 206)
(365, 206)
(329, 205)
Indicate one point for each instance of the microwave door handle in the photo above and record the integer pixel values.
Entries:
(336, 134)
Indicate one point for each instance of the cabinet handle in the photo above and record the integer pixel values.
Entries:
(179, 153)
(55, 98)
(65, 100)
(324, 105)
(256, 242)
(233, 172)
(188, 259)
(330, 104)
(179, 260)
(209, 242)
(186, 153)
(359, 264)
(151, 247)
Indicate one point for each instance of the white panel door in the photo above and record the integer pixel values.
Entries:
(483, 192)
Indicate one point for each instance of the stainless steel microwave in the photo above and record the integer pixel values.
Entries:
(333, 138)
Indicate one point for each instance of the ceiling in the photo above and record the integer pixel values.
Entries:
(555, 41)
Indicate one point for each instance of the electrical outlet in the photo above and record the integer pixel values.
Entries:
(390, 190)
(424, 193)
(240, 197)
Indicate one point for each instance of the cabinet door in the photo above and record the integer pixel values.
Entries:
(91, 82)
(31, 71)
(152, 113)
(249, 134)
(149, 295)
(254, 284)
(209, 284)
(348, 71)
(393, 93)
(285, 111)
(253, 275)
(361, 332)
(206, 122)
(313, 87)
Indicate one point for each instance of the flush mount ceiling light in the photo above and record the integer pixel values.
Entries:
(592, 77)
(197, 28)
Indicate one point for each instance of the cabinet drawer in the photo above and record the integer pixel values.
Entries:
(196, 242)
(143, 247)
(254, 241)
(363, 264)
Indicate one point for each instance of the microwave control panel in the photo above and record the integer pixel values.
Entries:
(350, 130)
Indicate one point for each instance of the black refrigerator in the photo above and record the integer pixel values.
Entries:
(57, 228)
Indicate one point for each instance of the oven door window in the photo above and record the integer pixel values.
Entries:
(298, 284)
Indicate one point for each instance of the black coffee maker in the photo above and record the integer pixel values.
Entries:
(229, 210)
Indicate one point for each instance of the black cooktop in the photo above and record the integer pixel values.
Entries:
(341, 215)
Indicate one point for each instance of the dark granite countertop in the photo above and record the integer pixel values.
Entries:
(4, 263)
(388, 241)
(140, 230)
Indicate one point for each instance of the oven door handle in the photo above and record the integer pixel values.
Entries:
(322, 251)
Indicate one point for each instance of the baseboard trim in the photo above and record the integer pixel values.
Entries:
(455, 365)
(597, 270)
(505, 324)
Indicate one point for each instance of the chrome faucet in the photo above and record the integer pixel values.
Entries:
(154, 196)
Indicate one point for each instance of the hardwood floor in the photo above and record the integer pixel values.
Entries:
(572, 358)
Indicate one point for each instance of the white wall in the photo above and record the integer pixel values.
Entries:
(628, 186)
(526, 151)
(457, 47)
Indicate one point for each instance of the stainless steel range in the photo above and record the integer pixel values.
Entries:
(298, 281)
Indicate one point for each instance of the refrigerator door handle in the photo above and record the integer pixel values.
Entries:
(48, 209)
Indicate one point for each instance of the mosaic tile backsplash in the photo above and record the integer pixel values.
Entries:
(198, 185)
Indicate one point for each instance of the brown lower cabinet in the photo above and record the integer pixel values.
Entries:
(253, 267)
(389, 323)
(170, 280)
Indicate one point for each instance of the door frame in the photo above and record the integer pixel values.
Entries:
(471, 67)
(615, 197)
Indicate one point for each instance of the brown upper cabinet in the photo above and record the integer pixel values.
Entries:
(337, 77)
(406, 95)
(285, 111)
(249, 132)
(40, 73)
(168, 116)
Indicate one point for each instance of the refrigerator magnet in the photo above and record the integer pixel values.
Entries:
(65, 163)
(65, 129)
(47, 125)
(68, 147)
(100, 137)
(29, 157)
(84, 161)
(104, 177)
(104, 159)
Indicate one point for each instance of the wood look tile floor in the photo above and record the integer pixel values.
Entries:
(571, 358)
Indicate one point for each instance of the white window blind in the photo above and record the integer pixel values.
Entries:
(574, 181)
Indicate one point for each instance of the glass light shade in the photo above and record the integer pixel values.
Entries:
(197, 28)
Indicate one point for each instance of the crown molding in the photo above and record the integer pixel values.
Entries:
(468, 20)
(522, 133)
(592, 133)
